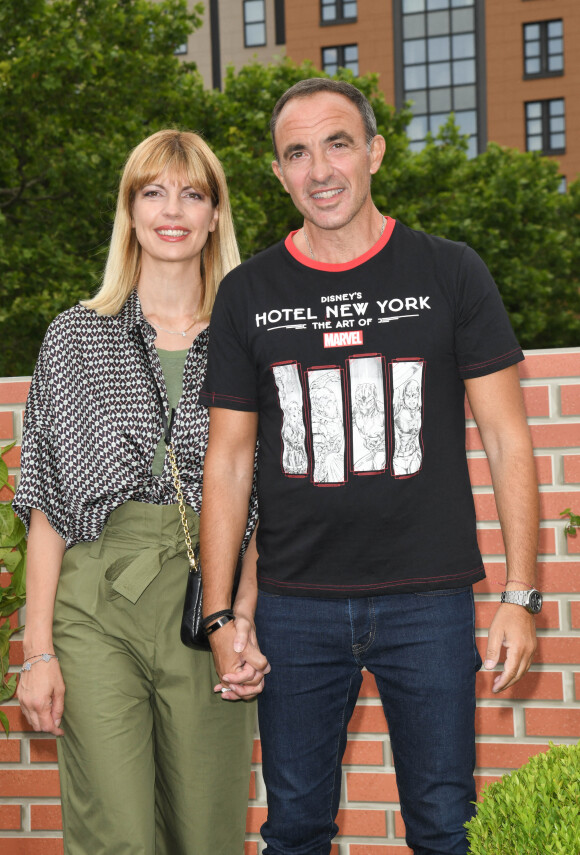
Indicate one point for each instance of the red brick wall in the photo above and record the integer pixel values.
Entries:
(543, 706)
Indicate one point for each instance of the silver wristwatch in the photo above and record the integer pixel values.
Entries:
(531, 600)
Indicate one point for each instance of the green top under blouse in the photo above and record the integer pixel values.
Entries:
(172, 364)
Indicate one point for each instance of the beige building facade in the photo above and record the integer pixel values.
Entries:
(235, 32)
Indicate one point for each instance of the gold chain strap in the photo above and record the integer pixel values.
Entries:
(177, 483)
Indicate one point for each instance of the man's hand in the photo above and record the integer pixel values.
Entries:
(238, 660)
(513, 628)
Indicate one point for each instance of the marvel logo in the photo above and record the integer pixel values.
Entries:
(343, 339)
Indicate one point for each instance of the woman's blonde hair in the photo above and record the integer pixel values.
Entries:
(181, 153)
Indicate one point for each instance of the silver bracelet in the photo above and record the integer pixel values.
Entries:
(40, 657)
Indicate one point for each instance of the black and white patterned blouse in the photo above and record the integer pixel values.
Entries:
(92, 423)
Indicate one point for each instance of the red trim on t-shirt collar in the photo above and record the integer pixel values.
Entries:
(346, 265)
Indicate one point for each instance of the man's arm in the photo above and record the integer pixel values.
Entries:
(227, 483)
(497, 405)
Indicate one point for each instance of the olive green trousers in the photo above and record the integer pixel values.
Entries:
(152, 761)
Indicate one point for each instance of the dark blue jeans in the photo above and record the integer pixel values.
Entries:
(421, 649)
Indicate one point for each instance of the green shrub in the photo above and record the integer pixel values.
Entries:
(533, 811)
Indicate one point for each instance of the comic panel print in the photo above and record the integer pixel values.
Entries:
(325, 390)
(407, 379)
(294, 454)
(367, 413)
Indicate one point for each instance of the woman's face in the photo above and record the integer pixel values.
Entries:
(172, 220)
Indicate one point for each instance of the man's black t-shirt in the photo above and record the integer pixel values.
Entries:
(356, 371)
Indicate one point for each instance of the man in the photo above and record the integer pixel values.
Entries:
(363, 565)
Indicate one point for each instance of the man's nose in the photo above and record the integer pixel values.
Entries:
(320, 168)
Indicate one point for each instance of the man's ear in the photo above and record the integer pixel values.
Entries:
(278, 174)
(377, 151)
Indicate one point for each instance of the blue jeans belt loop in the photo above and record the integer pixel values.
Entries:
(142, 563)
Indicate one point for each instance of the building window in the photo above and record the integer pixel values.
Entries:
(543, 49)
(280, 22)
(440, 67)
(254, 23)
(337, 11)
(181, 49)
(341, 56)
(546, 126)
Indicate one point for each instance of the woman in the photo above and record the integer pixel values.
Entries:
(151, 759)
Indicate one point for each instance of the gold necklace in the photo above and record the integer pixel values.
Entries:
(310, 248)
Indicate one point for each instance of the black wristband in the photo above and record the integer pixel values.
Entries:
(221, 621)
(207, 620)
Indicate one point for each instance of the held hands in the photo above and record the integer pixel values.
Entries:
(238, 660)
(513, 628)
(41, 695)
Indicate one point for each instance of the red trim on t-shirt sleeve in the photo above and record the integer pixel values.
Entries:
(347, 265)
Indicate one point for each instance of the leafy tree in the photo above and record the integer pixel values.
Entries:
(81, 82)
(77, 101)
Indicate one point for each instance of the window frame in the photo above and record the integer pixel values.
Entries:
(251, 23)
(340, 18)
(544, 54)
(545, 120)
(341, 49)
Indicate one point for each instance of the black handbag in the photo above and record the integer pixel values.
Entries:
(192, 631)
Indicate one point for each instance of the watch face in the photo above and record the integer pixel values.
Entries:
(535, 602)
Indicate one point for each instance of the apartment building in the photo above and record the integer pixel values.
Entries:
(508, 69)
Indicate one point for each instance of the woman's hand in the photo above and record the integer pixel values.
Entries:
(247, 679)
(41, 695)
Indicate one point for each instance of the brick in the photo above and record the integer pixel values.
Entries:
(16, 720)
(43, 751)
(553, 722)
(16, 653)
(10, 819)
(12, 457)
(6, 495)
(548, 618)
(490, 541)
(538, 365)
(558, 577)
(570, 400)
(369, 686)
(32, 846)
(255, 818)
(494, 721)
(535, 685)
(9, 750)
(371, 787)
(252, 789)
(555, 436)
(362, 752)
(14, 392)
(257, 751)
(482, 781)
(30, 783)
(573, 543)
(551, 504)
(250, 847)
(362, 823)
(480, 475)
(562, 651)
(485, 507)
(494, 755)
(368, 719)
(575, 614)
(45, 818)
(6, 425)
(536, 402)
(378, 849)
(577, 686)
(571, 469)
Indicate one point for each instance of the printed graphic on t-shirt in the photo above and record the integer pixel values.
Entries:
(363, 419)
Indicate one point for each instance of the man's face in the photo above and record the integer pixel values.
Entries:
(324, 161)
